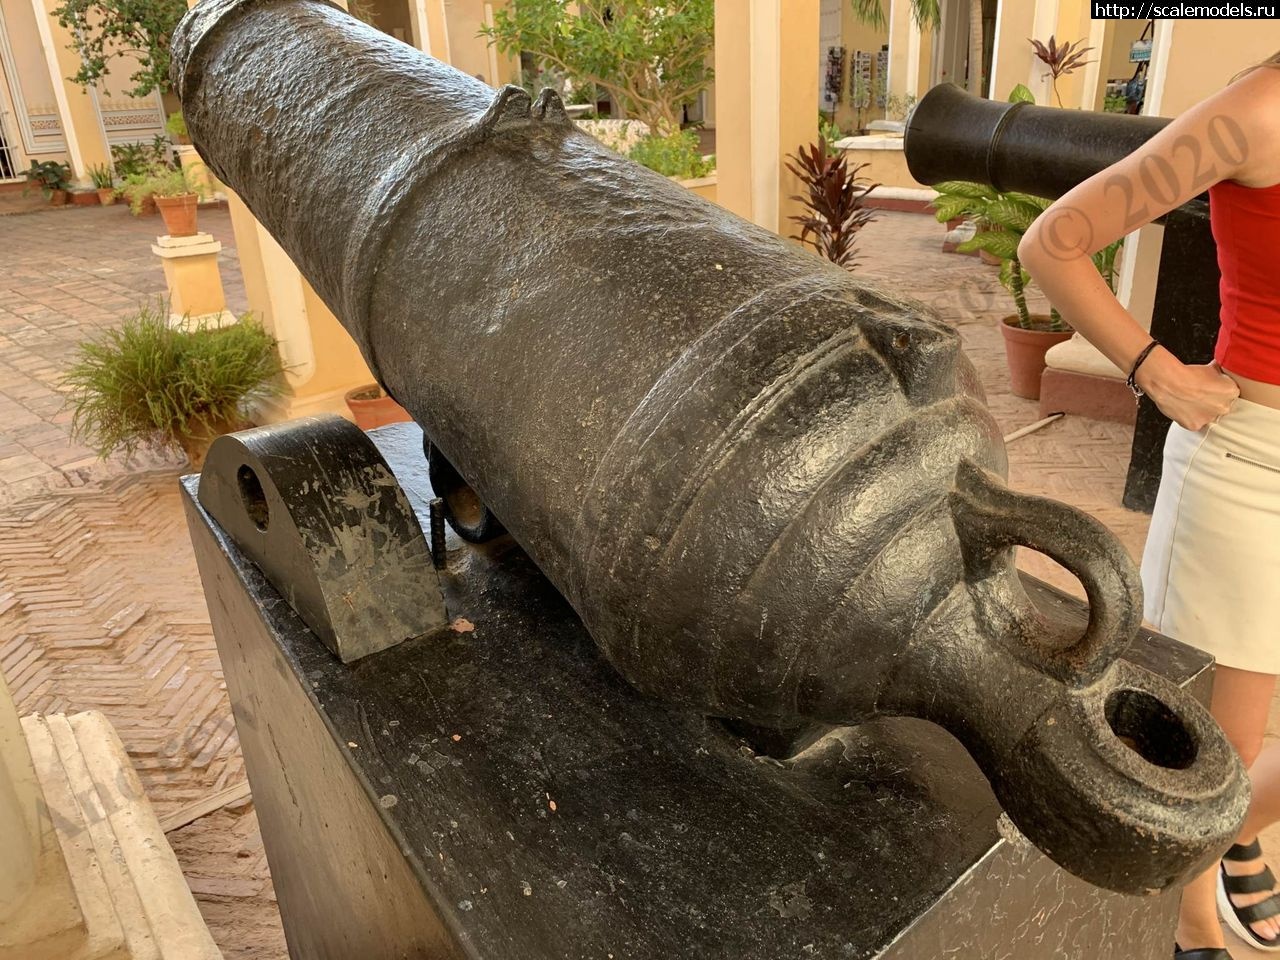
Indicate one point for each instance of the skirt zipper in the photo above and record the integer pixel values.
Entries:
(1255, 463)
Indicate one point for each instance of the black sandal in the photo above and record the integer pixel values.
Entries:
(1239, 918)
(1208, 953)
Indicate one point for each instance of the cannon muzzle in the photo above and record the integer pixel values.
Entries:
(1044, 151)
(770, 491)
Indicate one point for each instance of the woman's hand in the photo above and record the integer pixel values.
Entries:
(1191, 396)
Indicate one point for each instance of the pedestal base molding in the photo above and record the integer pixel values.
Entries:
(133, 899)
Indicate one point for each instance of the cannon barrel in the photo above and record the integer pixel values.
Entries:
(953, 135)
(770, 491)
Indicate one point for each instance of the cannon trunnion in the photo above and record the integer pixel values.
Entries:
(769, 491)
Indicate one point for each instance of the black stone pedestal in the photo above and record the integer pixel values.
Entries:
(501, 794)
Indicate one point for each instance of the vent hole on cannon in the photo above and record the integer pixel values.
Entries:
(1150, 729)
(253, 498)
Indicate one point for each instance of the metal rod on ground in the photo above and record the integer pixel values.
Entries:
(1032, 427)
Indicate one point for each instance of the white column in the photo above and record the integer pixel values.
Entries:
(74, 154)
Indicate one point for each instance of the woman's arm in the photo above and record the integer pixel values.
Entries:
(1219, 139)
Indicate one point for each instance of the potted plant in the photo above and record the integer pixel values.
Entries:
(53, 179)
(1027, 336)
(138, 190)
(104, 182)
(177, 194)
(148, 383)
(176, 127)
(371, 407)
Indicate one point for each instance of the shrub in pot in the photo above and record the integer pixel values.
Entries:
(146, 383)
(104, 182)
(1027, 336)
(137, 189)
(371, 407)
(53, 179)
(175, 193)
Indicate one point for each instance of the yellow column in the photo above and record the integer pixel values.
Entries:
(81, 124)
(503, 68)
(321, 361)
(759, 117)
(430, 28)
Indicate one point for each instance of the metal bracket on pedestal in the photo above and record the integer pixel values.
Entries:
(315, 506)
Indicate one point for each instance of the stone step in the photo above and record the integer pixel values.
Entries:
(132, 893)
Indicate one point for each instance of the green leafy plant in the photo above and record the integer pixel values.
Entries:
(165, 182)
(1115, 103)
(650, 56)
(829, 132)
(103, 29)
(176, 125)
(677, 155)
(147, 383)
(102, 176)
(833, 200)
(926, 13)
(1062, 61)
(141, 158)
(49, 175)
(1004, 218)
(900, 106)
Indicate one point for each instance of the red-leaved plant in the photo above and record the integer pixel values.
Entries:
(1061, 60)
(833, 199)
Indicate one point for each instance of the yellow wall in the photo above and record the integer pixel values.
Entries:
(1115, 53)
(1205, 54)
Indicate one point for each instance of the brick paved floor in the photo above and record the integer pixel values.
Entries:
(99, 607)
(64, 276)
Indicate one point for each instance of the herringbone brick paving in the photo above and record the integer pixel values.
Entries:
(100, 605)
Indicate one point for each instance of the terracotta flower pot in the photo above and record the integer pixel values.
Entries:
(1025, 350)
(106, 196)
(373, 408)
(147, 207)
(58, 198)
(179, 214)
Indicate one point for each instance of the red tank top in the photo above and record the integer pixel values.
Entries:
(1246, 226)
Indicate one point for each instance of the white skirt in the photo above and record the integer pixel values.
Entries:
(1211, 567)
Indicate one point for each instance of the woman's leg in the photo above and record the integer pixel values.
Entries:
(1241, 704)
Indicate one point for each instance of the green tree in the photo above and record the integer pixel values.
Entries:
(104, 28)
(927, 13)
(649, 55)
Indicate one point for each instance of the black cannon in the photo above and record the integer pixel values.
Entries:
(770, 491)
(1046, 151)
